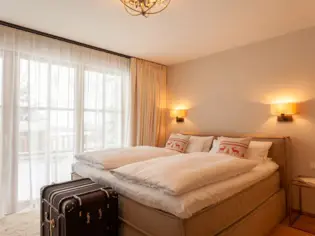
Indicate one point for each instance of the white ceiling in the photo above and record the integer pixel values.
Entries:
(188, 29)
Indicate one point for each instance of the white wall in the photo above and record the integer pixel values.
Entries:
(231, 92)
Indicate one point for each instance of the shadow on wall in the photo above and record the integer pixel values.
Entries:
(306, 110)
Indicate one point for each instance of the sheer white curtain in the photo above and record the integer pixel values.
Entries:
(56, 99)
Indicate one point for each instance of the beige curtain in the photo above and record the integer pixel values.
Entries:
(148, 103)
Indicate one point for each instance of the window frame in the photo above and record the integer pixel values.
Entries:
(49, 107)
(104, 110)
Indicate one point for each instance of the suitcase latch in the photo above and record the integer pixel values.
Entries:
(88, 218)
(100, 214)
(51, 222)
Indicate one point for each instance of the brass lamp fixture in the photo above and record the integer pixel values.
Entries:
(284, 111)
(145, 7)
(179, 114)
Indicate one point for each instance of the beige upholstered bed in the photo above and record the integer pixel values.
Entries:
(254, 211)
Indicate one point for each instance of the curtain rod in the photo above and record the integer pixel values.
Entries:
(18, 27)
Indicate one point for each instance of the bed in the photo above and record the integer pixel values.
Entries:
(242, 213)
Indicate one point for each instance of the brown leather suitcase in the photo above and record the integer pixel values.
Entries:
(79, 208)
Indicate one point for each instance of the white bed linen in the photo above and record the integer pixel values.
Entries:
(113, 158)
(183, 173)
(183, 206)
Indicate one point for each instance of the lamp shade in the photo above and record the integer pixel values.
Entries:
(283, 108)
(178, 113)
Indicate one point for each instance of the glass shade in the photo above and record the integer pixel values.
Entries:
(178, 113)
(283, 108)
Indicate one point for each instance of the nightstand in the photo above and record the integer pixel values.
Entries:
(300, 182)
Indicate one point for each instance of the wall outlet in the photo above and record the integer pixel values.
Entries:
(312, 165)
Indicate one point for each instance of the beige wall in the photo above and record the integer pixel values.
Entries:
(231, 92)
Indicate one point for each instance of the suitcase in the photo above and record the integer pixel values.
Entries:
(79, 207)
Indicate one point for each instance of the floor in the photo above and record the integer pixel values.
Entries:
(304, 222)
(26, 224)
(283, 230)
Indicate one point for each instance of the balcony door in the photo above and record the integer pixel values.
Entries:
(46, 129)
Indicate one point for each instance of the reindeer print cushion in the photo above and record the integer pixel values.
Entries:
(177, 142)
(234, 146)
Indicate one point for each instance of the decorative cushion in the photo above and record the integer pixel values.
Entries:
(177, 142)
(199, 144)
(258, 150)
(234, 146)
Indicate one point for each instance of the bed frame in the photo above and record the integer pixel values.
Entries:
(139, 220)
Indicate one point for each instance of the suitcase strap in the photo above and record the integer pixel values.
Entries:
(67, 189)
(47, 217)
(51, 222)
(50, 205)
(88, 215)
(80, 200)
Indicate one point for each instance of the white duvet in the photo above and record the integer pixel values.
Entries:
(114, 158)
(185, 205)
(183, 173)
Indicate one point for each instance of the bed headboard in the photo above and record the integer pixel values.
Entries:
(279, 152)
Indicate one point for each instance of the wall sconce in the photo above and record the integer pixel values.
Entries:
(179, 115)
(284, 111)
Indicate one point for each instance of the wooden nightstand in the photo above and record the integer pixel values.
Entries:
(295, 216)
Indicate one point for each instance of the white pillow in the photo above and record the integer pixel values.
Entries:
(258, 150)
(199, 144)
(215, 146)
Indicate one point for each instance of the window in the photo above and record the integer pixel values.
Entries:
(102, 110)
(60, 99)
(46, 125)
(47, 115)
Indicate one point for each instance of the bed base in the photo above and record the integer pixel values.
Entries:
(258, 222)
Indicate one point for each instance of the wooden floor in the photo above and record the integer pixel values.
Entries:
(283, 230)
(304, 222)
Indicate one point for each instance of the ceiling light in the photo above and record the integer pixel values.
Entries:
(145, 7)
